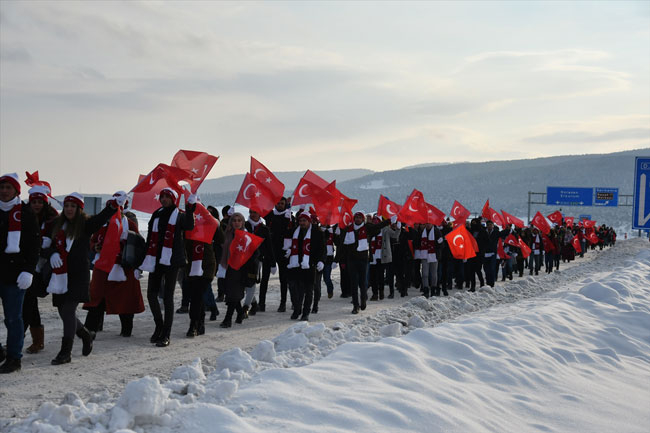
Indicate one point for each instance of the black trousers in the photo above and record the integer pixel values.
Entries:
(377, 279)
(196, 288)
(68, 315)
(31, 315)
(357, 276)
(162, 281)
(95, 317)
(301, 295)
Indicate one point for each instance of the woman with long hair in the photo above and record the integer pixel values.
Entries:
(45, 214)
(235, 280)
(71, 268)
(117, 291)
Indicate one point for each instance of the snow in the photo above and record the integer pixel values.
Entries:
(569, 351)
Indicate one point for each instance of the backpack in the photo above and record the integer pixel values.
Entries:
(135, 251)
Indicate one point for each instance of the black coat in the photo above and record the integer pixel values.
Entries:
(11, 265)
(184, 222)
(279, 227)
(79, 262)
(372, 230)
(487, 242)
(317, 253)
(266, 251)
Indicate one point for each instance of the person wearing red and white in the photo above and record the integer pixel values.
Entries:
(45, 214)
(69, 258)
(19, 246)
(165, 255)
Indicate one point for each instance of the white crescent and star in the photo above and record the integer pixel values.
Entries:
(17, 216)
(453, 241)
(388, 210)
(301, 191)
(411, 208)
(198, 249)
(257, 171)
(455, 211)
(248, 241)
(246, 189)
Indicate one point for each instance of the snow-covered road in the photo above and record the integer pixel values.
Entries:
(232, 377)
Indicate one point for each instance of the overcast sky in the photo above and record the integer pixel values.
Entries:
(94, 93)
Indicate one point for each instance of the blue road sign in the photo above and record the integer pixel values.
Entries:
(641, 210)
(584, 217)
(569, 196)
(606, 197)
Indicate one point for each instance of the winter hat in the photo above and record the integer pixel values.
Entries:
(76, 198)
(11, 178)
(170, 192)
(305, 214)
(122, 194)
(361, 214)
(39, 191)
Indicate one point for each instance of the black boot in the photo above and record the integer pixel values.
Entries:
(426, 292)
(282, 308)
(192, 332)
(63, 357)
(244, 313)
(261, 308)
(164, 338)
(227, 321)
(241, 314)
(254, 308)
(3, 353)
(200, 326)
(10, 365)
(126, 321)
(87, 338)
(444, 292)
(295, 314)
(214, 312)
(157, 333)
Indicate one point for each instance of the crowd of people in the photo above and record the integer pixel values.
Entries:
(45, 252)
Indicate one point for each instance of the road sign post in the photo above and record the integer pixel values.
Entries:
(641, 206)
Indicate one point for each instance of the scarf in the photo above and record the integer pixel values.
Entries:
(117, 271)
(59, 280)
(198, 248)
(375, 249)
(537, 243)
(428, 246)
(149, 263)
(330, 241)
(306, 248)
(14, 207)
(355, 232)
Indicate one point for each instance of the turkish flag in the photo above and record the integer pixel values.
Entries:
(555, 217)
(459, 212)
(149, 201)
(328, 209)
(548, 244)
(576, 244)
(593, 238)
(255, 196)
(414, 209)
(346, 214)
(111, 246)
(205, 225)
(461, 243)
(434, 215)
(486, 206)
(589, 224)
(540, 222)
(512, 241)
(569, 221)
(198, 164)
(501, 251)
(525, 249)
(387, 208)
(242, 247)
(491, 215)
(267, 178)
(172, 175)
(312, 177)
(510, 219)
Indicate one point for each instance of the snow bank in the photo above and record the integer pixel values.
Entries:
(574, 359)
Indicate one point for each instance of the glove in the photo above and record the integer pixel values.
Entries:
(399, 225)
(137, 274)
(231, 211)
(393, 219)
(287, 254)
(274, 269)
(320, 266)
(112, 203)
(221, 273)
(121, 199)
(24, 280)
(334, 265)
(46, 242)
(192, 199)
(55, 261)
(440, 240)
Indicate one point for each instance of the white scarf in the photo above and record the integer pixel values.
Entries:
(149, 263)
(295, 254)
(363, 240)
(13, 236)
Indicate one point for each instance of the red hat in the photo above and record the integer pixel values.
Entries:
(170, 192)
(11, 178)
(361, 214)
(39, 191)
(76, 198)
(305, 214)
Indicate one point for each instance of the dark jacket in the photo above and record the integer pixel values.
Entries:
(279, 226)
(78, 260)
(209, 263)
(184, 222)
(372, 230)
(487, 242)
(266, 250)
(317, 253)
(11, 265)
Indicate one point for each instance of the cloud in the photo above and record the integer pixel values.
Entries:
(18, 55)
(576, 137)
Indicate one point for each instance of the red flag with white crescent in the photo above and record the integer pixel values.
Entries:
(540, 222)
(555, 217)
(198, 164)
(511, 219)
(242, 247)
(460, 243)
(386, 208)
(149, 201)
(459, 212)
(255, 196)
(205, 225)
(434, 215)
(512, 241)
(525, 249)
(501, 251)
(569, 221)
(111, 246)
(576, 244)
(414, 209)
(589, 224)
(267, 178)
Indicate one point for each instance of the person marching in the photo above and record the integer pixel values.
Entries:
(279, 223)
(117, 291)
(355, 244)
(45, 214)
(19, 247)
(256, 225)
(235, 281)
(306, 256)
(165, 255)
(69, 259)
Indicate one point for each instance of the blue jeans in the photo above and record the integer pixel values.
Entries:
(489, 266)
(327, 277)
(12, 303)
